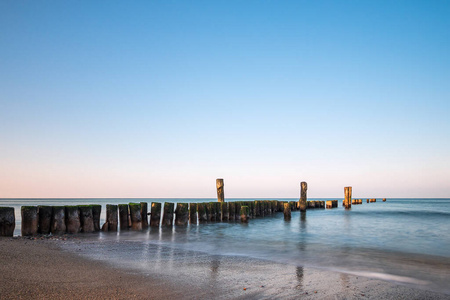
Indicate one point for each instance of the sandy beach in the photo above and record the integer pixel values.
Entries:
(59, 268)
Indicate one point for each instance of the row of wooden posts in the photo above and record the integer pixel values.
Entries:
(135, 216)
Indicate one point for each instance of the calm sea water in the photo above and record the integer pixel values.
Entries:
(406, 240)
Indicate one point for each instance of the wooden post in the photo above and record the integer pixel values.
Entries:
(29, 220)
(224, 211)
(274, 206)
(96, 212)
(86, 218)
(144, 215)
(212, 211)
(231, 211)
(123, 217)
(257, 208)
(181, 214)
(244, 214)
(220, 192)
(193, 213)
(303, 198)
(287, 211)
(111, 217)
(155, 216)
(384, 199)
(135, 216)
(329, 204)
(237, 213)
(202, 213)
(7, 221)
(58, 223)
(168, 214)
(73, 223)
(45, 219)
(348, 197)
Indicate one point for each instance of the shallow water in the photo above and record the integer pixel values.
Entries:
(403, 240)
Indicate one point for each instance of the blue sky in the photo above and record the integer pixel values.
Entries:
(158, 99)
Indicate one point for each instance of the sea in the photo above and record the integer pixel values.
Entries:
(401, 240)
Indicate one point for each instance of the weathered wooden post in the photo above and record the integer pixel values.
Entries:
(231, 211)
(73, 223)
(202, 213)
(303, 198)
(287, 211)
(111, 218)
(212, 211)
(193, 213)
(274, 206)
(29, 220)
(168, 214)
(181, 214)
(257, 208)
(244, 214)
(7, 221)
(237, 214)
(144, 215)
(58, 223)
(348, 197)
(218, 215)
(45, 219)
(96, 212)
(224, 211)
(220, 192)
(155, 214)
(123, 217)
(135, 216)
(329, 204)
(384, 199)
(86, 218)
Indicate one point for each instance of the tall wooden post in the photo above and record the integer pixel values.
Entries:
(220, 193)
(303, 189)
(348, 197)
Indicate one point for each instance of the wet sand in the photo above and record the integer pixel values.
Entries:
(81, 268)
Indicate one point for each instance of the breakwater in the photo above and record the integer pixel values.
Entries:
(136, 216)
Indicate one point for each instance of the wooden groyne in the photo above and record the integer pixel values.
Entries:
(75, 219)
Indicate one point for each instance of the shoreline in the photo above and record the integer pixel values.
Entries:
(63, 267)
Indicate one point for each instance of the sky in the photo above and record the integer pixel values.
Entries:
(160, 98)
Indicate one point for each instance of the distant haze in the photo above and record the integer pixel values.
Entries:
(158, 99)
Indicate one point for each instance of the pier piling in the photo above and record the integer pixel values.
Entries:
(202, 212)
(29, 220)
(231, 211)
(96, 212)
(86, 218)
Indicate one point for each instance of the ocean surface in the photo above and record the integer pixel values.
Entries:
(401, 240)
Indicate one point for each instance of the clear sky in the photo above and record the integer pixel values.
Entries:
(160, 98)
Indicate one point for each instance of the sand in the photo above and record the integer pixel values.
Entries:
(73, 268)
